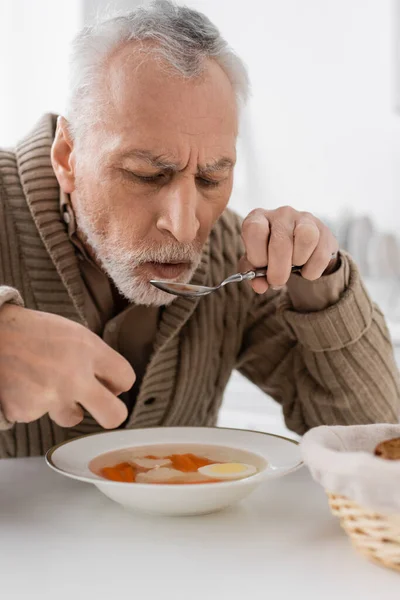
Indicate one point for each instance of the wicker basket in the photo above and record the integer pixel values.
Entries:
(374, 535)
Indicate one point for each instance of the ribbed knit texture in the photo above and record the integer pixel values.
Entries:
(335, 366)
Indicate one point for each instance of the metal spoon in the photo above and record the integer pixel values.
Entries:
(191, 291)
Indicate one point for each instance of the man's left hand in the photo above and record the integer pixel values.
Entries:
(283, 238)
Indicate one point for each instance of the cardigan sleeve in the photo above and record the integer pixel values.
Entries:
(333, 366)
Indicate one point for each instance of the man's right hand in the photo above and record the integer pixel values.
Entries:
(49, 364)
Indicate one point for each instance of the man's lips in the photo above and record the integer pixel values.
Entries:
(170, 270)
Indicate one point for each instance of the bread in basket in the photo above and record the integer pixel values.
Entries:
(363, 489)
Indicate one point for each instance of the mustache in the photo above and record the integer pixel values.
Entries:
(185, 253)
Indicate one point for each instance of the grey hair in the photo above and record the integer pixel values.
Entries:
(182, 37)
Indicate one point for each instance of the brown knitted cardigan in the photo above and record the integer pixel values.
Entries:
(334, 366)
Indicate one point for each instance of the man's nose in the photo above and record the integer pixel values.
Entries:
(178, 215)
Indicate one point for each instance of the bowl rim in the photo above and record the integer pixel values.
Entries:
(103, 481)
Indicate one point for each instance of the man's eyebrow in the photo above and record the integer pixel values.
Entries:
(156, 161)
(161, 162)
(219, 165)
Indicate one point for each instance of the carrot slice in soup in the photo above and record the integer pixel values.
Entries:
(183, 462)
(111, 473)
(121, 472)
(127, 474)
(200, 461)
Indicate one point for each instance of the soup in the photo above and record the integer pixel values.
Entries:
(177, 464)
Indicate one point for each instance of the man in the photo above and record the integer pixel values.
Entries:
(132, 185)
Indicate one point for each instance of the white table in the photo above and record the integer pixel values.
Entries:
(62, 539)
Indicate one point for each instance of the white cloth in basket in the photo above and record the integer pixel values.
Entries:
(342, 460)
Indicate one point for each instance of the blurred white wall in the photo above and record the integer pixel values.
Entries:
(320, 132)
(34, 49)
(92, 8)
(326, 136)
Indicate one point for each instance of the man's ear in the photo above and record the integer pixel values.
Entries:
(62, 156)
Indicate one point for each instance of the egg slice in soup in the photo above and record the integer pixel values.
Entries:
(151, 463)
(168, 475)
(228, 470)
(161, 475)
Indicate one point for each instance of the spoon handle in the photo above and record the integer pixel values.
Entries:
(262, 272)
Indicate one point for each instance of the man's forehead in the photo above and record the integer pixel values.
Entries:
(147, 92)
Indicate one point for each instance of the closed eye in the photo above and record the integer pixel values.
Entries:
(209, 183)
(149, 179)
(163, 177)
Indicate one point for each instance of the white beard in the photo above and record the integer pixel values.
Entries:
(120, 264)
